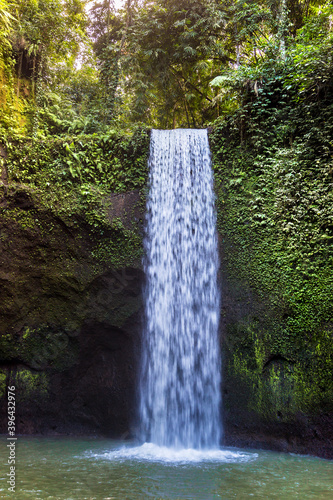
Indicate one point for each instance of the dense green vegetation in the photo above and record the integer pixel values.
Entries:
(72, 175)
(274, 180)
(69, 70)
(79, 91)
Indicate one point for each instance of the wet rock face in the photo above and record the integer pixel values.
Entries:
(69, 324)
(106, 377)
(77, 381)
(263, 406)
(96, 395)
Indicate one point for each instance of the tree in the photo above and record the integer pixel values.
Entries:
(109, 33)
(166, 55)
(47, 32)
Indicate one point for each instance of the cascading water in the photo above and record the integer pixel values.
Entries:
(180, 373)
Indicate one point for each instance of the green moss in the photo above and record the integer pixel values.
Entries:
(284, 373)
(3, 378)
(123, 248)
(30, 385)
(26, 219)
(42, 347)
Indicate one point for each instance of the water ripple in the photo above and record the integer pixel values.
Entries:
(154, 453)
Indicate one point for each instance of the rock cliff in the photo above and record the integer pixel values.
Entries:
(71, 310)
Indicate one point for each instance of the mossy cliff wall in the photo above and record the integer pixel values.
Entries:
(71, 282)
(70, 274)
(274, 178)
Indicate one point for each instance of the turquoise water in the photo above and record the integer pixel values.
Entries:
(67, 468)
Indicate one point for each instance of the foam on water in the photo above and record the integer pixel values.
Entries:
(162, 454)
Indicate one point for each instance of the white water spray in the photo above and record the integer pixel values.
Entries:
(180, 373)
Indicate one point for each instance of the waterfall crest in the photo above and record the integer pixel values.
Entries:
(180, 372)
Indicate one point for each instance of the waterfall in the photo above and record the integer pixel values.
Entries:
(180, 371)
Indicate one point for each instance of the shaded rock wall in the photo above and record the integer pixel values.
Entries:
(70, 318)
(263, 405)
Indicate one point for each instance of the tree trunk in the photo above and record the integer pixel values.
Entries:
(19, 73)
(283, 29)
(34, 78)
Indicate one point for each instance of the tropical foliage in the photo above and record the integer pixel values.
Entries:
(75, 66)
